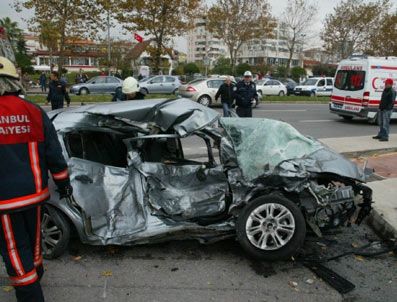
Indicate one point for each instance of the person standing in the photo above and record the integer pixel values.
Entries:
(385, 111)
(43, 82)
(57, 93)
(246, 95)
(29, 150)
(226, 92)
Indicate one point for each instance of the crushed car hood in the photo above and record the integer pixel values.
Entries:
(264, 147)
(181, 115)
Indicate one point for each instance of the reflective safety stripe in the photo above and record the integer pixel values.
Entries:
(24, 200)
(26, 279)
(35, 164)
(11, 246)
(61, 175)
(37, 250)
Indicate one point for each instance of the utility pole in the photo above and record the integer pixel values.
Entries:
(108, 24)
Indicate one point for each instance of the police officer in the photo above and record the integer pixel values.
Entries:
(246, 95)
(57, 93)
(129, 91)
(29, 148)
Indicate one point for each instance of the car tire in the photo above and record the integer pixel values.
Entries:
(346, 117)
(312, 94)
(83, 91)
(175, 92)
(374, 120)
(55, 230)
(204, 100)
(293, 230)
(281, 93)
(260, 93)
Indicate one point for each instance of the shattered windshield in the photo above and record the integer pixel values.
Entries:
(261, 144)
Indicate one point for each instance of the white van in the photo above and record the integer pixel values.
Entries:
(359, 83)
(316, 86)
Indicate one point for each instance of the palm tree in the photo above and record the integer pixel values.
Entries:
(13, 31)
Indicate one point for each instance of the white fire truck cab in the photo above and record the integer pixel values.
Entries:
(358, 86)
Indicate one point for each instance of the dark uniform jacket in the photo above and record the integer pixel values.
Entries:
(57, 94)
(29, 147)
(388, 99)
(226, 92)
(245, 94)
(120, 96)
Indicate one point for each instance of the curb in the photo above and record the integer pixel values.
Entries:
(371, 152)
(381, 227)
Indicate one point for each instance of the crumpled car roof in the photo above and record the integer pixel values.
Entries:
(182, 115)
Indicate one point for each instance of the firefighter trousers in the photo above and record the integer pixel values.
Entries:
(20, 247)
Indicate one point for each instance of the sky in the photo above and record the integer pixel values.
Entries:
(324, 7)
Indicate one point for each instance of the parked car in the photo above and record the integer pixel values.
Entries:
(290, 84)
(260, 181)
(202, 90)
(270, 87)
(97, 85)
(317, 86)
(160, 84)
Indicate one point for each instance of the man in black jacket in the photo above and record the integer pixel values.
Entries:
(385, 111)
(246, 95)
(57, 93)
(226, 92)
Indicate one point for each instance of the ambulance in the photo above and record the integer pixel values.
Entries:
(358, 86)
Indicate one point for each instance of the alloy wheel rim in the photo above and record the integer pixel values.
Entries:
(270, 226)
(204, 101)
(51, 234)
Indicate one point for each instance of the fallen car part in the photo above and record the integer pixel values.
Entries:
(336, 281)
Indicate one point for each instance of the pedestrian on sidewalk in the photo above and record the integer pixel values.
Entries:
(57, 93)
(43, 82)
(385, 111)
(29, 148)
(226, 92)
(246, 95)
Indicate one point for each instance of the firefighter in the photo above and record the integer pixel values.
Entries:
(246, 95)
(29, 148)
(129, 91)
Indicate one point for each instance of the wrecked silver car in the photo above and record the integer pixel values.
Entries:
(136, 182)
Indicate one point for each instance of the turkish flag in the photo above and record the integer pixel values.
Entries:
(138, 38)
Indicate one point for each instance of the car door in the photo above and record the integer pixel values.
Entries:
(155, 85)
(98, 86)
(329, 87)
(277, 87)
(180, 187)
(112, 84)
(109, 193)
(268, 88)
(170, 84)
(321, 88)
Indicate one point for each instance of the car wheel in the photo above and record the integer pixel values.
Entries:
(175, 92)
(260, 93)
(281, 93)
(55, 232)
(145, 91)
(83, 91)
(205, 100)
(346, 117)
(271, 228)
(374, 120)
(312, 94)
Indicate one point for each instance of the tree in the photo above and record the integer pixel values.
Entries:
(22, 59)
(297, 72)
(12, 29)
(222, 66)
(239, 21)
(69, 18)
(353, 25)
(298, 17)
(383, 42)
(324, 70)
(49, 37)
(191, 68)
(242, 67)
(161, 20)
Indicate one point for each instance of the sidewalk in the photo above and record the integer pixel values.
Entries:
(384, 215)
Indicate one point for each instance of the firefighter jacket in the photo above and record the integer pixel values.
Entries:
(29, 149)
